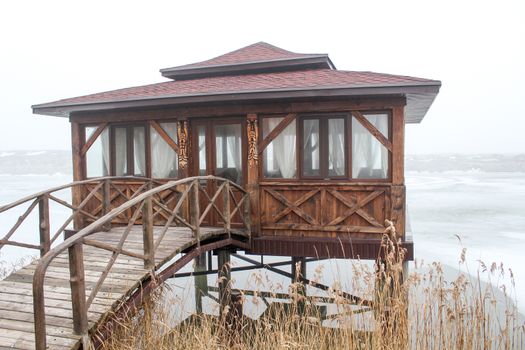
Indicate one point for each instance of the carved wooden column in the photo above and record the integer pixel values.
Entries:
(252, 185)
(183, 140)
(398, 169)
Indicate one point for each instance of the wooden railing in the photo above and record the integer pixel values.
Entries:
(329, 209)
(145, 207)
(106, 189)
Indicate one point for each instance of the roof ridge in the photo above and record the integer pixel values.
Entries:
(247, 54)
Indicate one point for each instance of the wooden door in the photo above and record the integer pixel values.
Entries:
(219, 149)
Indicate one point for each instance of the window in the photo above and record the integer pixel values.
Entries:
(119, 150)
(323, 147)
(279, 156)
(97, 157)
(164, 159)
(228, 156)
(129, 144)
(369, 156)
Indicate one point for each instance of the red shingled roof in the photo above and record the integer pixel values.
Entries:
(295, 80)
(260, 51)
(257, 72)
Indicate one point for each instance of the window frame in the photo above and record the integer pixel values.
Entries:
(130, 151)
(323, 145)
(389, 114)
(149, 159)
(261, 155)
(347, 117)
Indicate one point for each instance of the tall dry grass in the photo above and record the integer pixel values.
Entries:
(424, 310)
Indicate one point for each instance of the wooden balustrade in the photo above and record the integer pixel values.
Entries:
(328, 209)
(102, 189)
(144, 207)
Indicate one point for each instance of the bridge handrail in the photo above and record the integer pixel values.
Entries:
(42, 200)
(144, 203)
(68, 185)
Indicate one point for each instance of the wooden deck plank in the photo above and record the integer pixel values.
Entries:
(16, 301)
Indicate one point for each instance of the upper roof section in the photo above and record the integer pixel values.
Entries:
(259, 72)
(260, 57)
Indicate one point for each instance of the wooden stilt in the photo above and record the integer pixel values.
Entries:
(298, 274)
(223, 259)
(201, 282)
(234, 320)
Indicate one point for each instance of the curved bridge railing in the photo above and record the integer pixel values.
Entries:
(95, 198)
(181, 210)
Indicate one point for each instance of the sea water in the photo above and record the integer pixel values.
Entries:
(454, 202)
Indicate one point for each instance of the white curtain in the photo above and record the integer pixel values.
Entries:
(311, 149)
(139, 145)
(202, 151)
(336, 146)
(369, 156)
(120, 151)
(234, 149)
(283, 146)
(163, 157)
(105, 151)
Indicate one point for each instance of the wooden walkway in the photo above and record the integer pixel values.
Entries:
(16, 296)
(102, 270)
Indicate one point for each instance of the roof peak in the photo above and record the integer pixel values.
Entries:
(259, 57)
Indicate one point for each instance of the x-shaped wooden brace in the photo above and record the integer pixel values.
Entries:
(354, 207)
(293, 206)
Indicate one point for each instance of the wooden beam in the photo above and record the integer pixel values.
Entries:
(44, 226)
(78, 171)
(147, 234)
(228, 109)
(398, 143)
(373, 130)
(252, 183)
(78, 289)
(276, 131)
(183, 134)
(164, 135)
(93, 138)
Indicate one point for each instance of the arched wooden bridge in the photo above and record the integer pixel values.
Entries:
(127, 242)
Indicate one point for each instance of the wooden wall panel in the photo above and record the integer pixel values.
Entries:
(324, 210)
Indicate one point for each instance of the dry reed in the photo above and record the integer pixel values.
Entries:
(419, 311)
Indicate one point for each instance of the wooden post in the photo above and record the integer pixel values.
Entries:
(78, 286)
(106, 203)
(398, 170)
(234, 317)
(44, 224)
(398, 208)
(223, 262)
(298, 273)
(201, 281)
(252, 184)
(183, 141)
(226, 208)
(78, 172)
(194, 210)
(147, 228)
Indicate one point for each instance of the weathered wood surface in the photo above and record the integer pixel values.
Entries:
(16, 294)
(324, 209)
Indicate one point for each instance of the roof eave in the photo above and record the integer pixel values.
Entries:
(425, 92)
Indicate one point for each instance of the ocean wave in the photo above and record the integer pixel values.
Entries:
(57, 174)
(35, 153)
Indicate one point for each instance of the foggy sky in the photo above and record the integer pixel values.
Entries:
(57, 49)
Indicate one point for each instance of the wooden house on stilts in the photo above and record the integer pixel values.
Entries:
(319, 150)
(261, 149)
